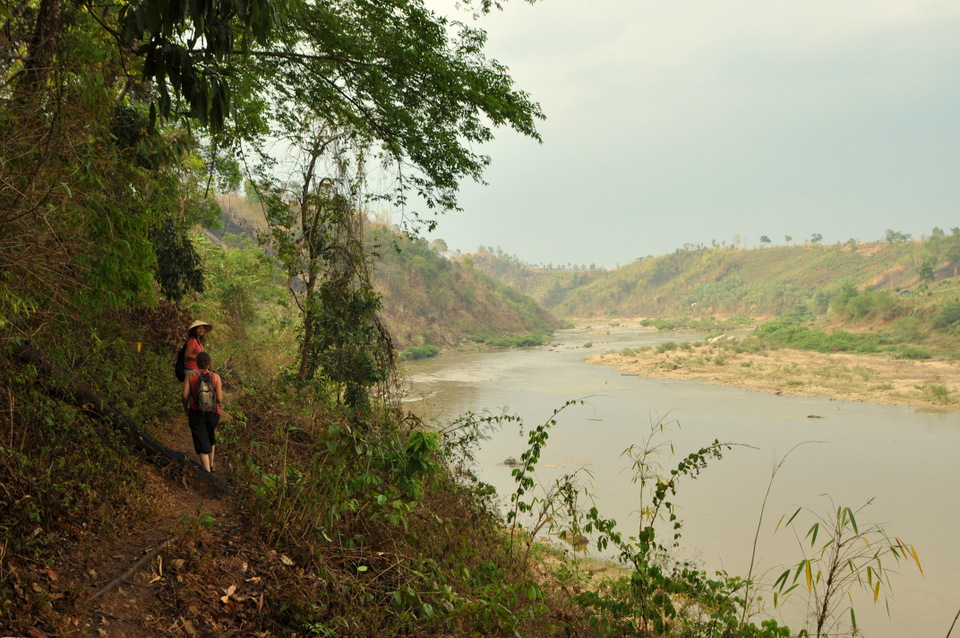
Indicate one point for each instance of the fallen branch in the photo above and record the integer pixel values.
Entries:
(137, 566)
(84, 398)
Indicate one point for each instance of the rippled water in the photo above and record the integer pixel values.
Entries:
(902, 458)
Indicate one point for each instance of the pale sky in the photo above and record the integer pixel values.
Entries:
(675, 122)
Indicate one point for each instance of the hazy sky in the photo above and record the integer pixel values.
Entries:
(673, 122)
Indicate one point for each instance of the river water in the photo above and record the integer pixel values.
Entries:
(834, 453)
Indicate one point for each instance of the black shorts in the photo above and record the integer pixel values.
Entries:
(202, 428)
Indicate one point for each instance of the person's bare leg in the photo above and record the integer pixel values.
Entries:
(205, 461)
(213, 452)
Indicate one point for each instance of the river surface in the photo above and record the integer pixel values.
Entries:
(840, 454)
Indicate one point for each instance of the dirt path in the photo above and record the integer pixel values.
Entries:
(135, 572)
(929, 384)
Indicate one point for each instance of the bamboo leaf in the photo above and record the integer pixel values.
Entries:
(903, 552)
(853, 620)
(916, 559)
(794, 516)
(876, 591)
(853, 521)
(800, 567)
(809, 575)
(780, 522)
(782, 580)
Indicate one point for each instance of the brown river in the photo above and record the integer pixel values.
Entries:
(840, 454)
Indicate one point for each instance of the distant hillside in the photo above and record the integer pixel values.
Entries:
(427, 298)
(725, 281)
(548, 286)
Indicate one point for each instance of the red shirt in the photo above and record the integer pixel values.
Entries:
(194, 347)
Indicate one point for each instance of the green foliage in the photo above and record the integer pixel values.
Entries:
(660, 324)
(878, 304)
(520, 341)
(346, 474)
(788, 333)
(910, 352)
(412, 545)
(703, 324)
(729, 291)
(200, 77)
(64, 473)
(894, 236)
(411, 353)
(178, 269)
(351, 348)
(948, 317)
(847, 557)
(403, 79)
(909, 328)
(938, 392)
(655, 598)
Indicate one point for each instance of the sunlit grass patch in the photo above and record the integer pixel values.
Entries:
(667, 346)
(937, 392)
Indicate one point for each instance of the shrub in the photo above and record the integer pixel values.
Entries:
(419, 352)
(909, 329)
(949, 317)
(522, 341)
(786, 333)
(939, 392)
(879, 304)
(911, 353)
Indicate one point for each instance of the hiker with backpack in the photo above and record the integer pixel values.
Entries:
(187, 356)
(202, 395)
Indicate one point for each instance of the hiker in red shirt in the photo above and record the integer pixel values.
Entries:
(201, 404)
(194, 347)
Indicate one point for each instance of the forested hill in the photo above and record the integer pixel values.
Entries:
(427, 298)
(725, 281)
(431, 300)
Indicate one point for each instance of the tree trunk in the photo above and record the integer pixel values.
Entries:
(43, 45)
(309, 228)
(81, 396)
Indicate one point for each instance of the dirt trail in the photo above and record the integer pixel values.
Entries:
(131, 573)
(930, 384)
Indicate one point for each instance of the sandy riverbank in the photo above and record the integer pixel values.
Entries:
(930, 384)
